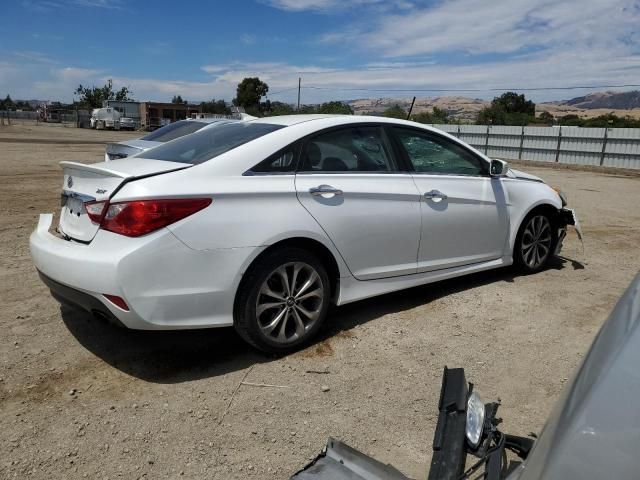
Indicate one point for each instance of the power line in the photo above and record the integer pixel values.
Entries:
(527, 89)
(282, 91)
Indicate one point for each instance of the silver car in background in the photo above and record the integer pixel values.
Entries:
(174, 130)
(127, 123)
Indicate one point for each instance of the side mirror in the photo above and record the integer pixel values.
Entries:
(498, 168)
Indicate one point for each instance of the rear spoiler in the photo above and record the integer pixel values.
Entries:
(91, 168)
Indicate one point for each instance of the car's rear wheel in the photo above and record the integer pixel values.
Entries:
(535, 242)
(282, 301)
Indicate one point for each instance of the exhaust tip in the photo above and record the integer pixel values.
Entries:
(101, 316)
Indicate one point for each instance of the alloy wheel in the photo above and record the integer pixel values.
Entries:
(289, 302)
(536, 241)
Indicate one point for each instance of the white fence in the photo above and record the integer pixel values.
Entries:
(608, 147)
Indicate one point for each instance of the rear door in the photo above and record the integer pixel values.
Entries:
(351, 183)
(84, 184)
(464, 210)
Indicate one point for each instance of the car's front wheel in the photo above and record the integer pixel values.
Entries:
(535, 242)
(282, 301)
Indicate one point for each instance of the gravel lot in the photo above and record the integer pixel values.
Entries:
(82, 399)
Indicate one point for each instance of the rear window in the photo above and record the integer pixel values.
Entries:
(209, 143)
(174, 130)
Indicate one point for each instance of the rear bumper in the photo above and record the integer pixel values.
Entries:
(79, 299)
(166, 284)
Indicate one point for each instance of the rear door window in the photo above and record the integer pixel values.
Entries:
(349, 149)
(280, 162)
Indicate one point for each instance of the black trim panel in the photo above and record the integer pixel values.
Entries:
(77, 299)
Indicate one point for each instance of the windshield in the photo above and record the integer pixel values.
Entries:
(174, 130)
(209, 143)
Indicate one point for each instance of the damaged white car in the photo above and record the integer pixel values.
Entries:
(264, 224)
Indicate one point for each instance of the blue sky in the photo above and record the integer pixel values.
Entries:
(343, 49)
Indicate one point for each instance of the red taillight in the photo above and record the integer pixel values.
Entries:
(117, 301)
(95, 210)
(140, 217)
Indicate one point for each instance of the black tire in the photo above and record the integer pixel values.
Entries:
(531, 259)
(253, 327)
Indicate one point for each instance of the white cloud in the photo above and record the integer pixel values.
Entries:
(506, 26)
(592, 67)
(32, 56)
(46, 6)
(247, 39)
(477, 45)
(333, 5)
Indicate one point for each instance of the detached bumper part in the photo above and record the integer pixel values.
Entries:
(567, 216)
(449, 452)
(339, 461)
(450, 447)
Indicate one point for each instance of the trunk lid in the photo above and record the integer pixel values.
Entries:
(97, 182)
(128, 148)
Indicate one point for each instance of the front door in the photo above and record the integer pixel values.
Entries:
(350, 182)
(464, 210)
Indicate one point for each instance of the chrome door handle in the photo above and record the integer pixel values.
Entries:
(435, 194)
(324, 190)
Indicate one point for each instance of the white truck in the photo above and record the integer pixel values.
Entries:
(103, 118)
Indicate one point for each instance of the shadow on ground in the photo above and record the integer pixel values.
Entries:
(162, 356)
(184, 355)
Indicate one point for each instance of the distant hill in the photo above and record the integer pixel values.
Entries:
(466, 109)
(614, 100)
(461, 108)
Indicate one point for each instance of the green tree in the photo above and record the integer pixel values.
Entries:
(514, 103)
(508, 109)
(546, 118)
(571, 120)
(24, 106)
(273, 109)
(395, 111)
(249, 92)
(177, 99)
(437, 115)
(7, 103)
(218, 107)
(307, 109)
(337, 108)
(93, 97)
(611, 120)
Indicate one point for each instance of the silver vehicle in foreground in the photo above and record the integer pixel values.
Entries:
(592, 433)
(128, 148)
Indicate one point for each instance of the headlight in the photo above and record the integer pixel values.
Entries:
(475, 419)
(562, 196)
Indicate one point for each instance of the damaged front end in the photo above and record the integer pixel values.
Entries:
(466, 426)
(564, 218)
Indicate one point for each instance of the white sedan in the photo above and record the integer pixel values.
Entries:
(265, 224)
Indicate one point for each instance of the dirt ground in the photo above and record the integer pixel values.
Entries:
(80, 399)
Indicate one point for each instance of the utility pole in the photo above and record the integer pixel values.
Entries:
(299, 83)
(411, 108)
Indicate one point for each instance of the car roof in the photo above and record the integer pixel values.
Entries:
(209, 120)
(289, 120)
